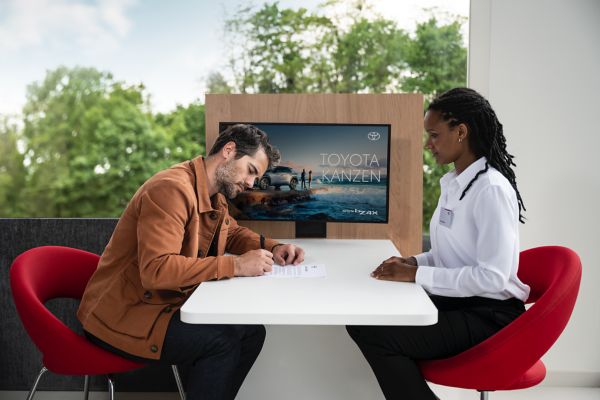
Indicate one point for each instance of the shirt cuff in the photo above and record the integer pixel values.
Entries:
(424, 276)
(422, 259)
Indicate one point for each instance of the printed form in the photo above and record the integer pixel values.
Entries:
(297, 271)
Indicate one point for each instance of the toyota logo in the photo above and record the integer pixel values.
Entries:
(373, 136)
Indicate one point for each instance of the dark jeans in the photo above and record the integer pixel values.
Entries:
(220, 355)
(393, 351)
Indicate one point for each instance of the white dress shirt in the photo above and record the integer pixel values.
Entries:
(475, 244)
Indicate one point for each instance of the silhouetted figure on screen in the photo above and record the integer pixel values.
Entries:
(303, 179)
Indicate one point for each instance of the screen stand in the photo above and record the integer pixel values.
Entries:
(311, 229)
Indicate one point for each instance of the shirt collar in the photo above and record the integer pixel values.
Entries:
(205, 202)
(469, 173)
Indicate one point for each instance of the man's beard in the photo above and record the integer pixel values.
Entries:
(225, 178)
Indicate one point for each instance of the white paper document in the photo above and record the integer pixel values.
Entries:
(297, 271)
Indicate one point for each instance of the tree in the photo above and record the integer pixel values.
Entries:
(282, 50)
(274, 49)
(293, 51)
(369, 57)
(88, 141)
(216, 83)
(12, 170)
(436, 58)
(185, 127)
(89, 144)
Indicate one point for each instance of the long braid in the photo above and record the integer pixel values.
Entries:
(482, 171)
(486, 135)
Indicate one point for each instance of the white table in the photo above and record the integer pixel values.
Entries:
(348, 295)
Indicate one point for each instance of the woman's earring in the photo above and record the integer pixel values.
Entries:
(459, 139)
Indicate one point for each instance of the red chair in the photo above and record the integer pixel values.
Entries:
(45, 273)
(511, 358)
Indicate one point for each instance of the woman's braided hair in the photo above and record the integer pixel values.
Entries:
(486, 137)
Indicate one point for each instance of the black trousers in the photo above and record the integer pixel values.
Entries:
(393, 351)
(220, 355)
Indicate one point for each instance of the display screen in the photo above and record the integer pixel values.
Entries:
(327, 172)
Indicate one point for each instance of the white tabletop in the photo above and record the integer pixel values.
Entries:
(346, 296)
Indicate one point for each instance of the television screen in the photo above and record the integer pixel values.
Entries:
(327, 172)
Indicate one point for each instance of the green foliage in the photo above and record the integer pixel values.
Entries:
(281, 50)
(436, 58)
(216, 83)
(369, 56)
(89, 143)
(12, 170)
(294, 51)
(185, 129)
(438, 61)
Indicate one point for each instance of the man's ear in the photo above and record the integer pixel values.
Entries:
(228, 151)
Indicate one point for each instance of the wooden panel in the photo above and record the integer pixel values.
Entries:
(404, 112)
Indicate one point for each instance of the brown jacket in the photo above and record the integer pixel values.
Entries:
(157, 256)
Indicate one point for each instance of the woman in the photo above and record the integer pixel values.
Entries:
(471, 271)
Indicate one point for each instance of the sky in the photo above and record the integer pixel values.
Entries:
(327, 147)
(169, 46)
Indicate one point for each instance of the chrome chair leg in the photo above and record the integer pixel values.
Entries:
(484, 395)
(111, 387)
(37, 380)
(178, 381)
(86, 387)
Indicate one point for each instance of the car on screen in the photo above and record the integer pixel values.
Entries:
(278, 176)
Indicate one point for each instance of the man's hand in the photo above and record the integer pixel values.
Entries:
(398, 269)
(285, 254)
(253, 263)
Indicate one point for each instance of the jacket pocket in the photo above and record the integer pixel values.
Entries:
(128, 309)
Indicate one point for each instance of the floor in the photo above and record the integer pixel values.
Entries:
(538, 393)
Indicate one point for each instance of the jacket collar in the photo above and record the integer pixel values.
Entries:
(205, 202)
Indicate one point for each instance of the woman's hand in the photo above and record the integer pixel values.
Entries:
(408, 260)
(398, 269)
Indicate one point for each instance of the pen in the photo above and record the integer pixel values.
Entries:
(262, 242)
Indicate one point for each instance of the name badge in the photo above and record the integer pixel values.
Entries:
(446, 217)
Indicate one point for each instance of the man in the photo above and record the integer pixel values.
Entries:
(171, 237)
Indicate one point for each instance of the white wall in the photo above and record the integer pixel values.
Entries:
(538, 62)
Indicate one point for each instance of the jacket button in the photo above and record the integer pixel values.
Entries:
(154, 348)
(147, 294)
(168, 309)
(213, 215)
(200, 253)
(227, 221)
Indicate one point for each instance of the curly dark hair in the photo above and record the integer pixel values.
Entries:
(248, 140)
(486, 136)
